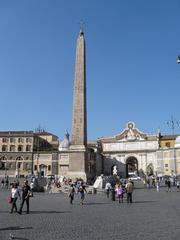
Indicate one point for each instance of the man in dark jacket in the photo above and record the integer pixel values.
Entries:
(25, 197)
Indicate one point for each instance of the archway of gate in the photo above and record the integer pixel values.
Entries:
(131, 166)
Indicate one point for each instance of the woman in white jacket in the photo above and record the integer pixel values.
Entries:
(14, 196)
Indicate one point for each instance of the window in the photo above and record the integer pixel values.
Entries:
(35, 167)
(27, 166)
(10, 158)
(3, 158)
(12, 148)
(27, 158)
(20, 140)
(166, 165)
(49, 167)
(168, 144)
(2, 166)
(4, 139)
(12, 140)
(19, 164)
(28, 148)
(166, 154)
(20, 148)
(64, 167)
(28, 140)
(4, 148)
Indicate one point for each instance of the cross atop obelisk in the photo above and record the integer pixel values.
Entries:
(79, 121)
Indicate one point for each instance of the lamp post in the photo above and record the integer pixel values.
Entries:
(5, 166)
(37, 156)
(173, 124)
(32, 165)
(17, 168)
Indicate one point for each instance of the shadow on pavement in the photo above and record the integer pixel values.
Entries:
(20, 238)
(144, 201)
(15, 228)
(91, 203)
(49, 212)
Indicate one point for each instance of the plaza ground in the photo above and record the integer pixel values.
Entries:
(152, 215)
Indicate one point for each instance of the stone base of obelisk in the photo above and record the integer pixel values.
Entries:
(77, 162)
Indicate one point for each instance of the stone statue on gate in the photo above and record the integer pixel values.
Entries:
(115, 170)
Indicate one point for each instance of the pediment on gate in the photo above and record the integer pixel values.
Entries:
(130, 133)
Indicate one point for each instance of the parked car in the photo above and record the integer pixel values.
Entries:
(134, 178)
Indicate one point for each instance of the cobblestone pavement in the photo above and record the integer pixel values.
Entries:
(152, 215)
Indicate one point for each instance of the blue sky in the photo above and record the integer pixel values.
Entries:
(132, 74)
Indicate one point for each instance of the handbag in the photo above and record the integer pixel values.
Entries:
(10, 200)
(30, 194)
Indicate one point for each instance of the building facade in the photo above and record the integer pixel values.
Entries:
(131, 151)
(24, 152)
(135, 152)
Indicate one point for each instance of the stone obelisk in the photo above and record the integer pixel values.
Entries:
(78, 149)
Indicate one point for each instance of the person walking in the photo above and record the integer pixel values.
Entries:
(108, 188)
(32, 188)
(168, 185)
(177, 185)
(157, 185)
(153, 182)
(148, 183)
(71, 193)
(25, 197)
(48, 186)
(7, 182)
(2, 183)
(82, 191)
(129, 191)
(14, 196)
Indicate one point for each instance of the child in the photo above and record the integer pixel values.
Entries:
(120, 192)
(71, 193)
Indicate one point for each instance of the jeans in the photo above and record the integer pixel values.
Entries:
(22, 203)
(14, 205)
(129, 197)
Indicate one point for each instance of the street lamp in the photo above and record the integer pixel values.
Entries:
(173, 124)
(17, 168)
(37, 156)
(5, 168)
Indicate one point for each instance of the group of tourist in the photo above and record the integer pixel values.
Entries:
(120, 189)
(24, 197)
(77, 189)
(5, 182)
(117, 189)
(169, 183)
(152, 182)
(74, 188)
(155, 182)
